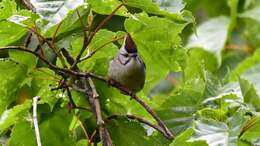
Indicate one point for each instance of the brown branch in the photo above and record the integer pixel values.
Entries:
(145, 106)
(141, 120)
(52, 66)
(92, 96)
(155, 116)
(103, 132)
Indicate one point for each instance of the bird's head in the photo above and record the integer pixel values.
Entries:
(130, 46)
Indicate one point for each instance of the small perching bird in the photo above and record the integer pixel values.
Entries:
(127, 67)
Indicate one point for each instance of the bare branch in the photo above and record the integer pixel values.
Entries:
(35, 121)
(103, 132)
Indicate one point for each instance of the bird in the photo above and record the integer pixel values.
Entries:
(127, 67)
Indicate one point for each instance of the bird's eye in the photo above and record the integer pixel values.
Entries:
(125, 55)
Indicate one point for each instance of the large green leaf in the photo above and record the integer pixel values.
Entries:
(54, 128)
(160, 47)
(211, 36)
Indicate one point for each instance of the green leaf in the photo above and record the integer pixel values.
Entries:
(55, 129)
(42, 80)
(11, 116)
(24, 58)
(107, 7)
(11, 75)
(181, 140)
(12, 32)
(162, 43)
(22, 134)
(205, 58)
(211, 36)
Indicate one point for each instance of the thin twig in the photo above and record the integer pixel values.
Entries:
(92, 53)
(92, 136)
(83, 128)
(35, 121)
(55, 33)
(81, 21)
(139, 119)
